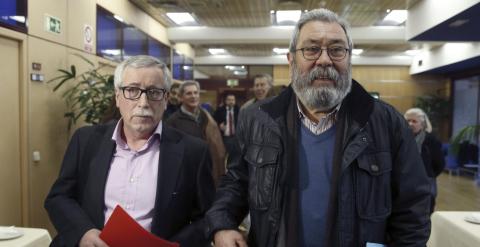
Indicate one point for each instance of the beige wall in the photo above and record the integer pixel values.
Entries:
(185, 49)
(396, 86)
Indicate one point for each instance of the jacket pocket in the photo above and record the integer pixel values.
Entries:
(373, 189)
(262, 168)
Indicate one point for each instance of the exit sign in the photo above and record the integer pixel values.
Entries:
(53, 24)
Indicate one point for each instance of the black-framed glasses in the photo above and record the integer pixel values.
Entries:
(336, 53)
(134, 93)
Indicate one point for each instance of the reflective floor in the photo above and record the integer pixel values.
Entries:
(457, 193)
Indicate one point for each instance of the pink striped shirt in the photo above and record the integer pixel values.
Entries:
(132, 178)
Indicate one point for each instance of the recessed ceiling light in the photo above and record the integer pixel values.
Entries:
(357, 51)
(280, 51)
(412, 52)
(235, 67)
(397, 16)
(217, 51)
(288, 16)
(272, 11)
(182, 18)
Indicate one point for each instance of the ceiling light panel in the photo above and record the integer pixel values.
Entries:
(287, 17)
(182, 18)
(396, 16)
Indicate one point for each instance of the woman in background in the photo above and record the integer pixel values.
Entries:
(428, 145)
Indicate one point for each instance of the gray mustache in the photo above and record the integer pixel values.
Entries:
(328, 73)
(143, 113)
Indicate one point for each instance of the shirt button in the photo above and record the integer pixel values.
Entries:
(128, 207)
(374, 168)
(364, 139)
(132, 180)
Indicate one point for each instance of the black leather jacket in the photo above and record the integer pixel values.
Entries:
(380, 191)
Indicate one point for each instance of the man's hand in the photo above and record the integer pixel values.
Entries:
(229, 238)
(92, 239)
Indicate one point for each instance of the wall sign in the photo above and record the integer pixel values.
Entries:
(88, 38)
(53, 24)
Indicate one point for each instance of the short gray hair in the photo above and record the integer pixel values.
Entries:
(323, 15)
(266, 76)
(142, 61)
(186, 84)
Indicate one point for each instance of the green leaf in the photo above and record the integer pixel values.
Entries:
(468, 133)
(74, 70)
(60, 84)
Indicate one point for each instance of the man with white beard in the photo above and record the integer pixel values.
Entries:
(323, 163)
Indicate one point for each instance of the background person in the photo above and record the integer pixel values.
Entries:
(195, 121)
(428, 145)
(173, 101)
(160, 176)
(226, 117)
(262, 89)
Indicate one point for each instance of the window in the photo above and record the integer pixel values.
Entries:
(117, 41)
(13, 14)
(109, 36)
(134, 42)
(159, 50)
(177, 72)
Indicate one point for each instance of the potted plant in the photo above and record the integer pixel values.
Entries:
(90, 97)
(469, 133)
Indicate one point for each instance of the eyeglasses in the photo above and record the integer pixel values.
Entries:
(335, 53)
(134, 93)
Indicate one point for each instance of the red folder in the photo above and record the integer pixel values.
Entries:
(121, 230)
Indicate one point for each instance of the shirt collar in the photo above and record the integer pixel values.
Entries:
(302, 115)
(117, 134)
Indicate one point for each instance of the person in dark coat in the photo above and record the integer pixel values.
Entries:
(428, 145)
(194, 120)
(226, 117)
(323, 163)
(173, 101)
(158, 175)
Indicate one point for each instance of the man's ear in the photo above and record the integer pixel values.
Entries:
(117, 96)
(290, 58)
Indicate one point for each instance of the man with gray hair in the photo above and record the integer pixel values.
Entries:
(159, 176)
(262, 89)
(323, 163)
(195, 121)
